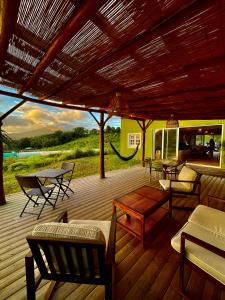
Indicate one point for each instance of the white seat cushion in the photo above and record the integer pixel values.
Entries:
(176, 186)
(186, 174)
(206, 260)
(210, 218)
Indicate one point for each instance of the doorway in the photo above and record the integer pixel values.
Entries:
(196, 144)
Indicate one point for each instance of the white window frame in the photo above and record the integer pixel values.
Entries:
(137, 138)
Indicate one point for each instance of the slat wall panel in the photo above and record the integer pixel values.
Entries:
(141, 273)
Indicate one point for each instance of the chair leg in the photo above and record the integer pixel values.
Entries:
(24, 208)
(29, 264)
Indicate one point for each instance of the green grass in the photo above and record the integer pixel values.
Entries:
(89, 143)
(84, 153)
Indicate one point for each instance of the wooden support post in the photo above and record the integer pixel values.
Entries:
(101, 145)
(101, 125)
(144, 128)
(2, 117)
(143, 143)
(2, 194)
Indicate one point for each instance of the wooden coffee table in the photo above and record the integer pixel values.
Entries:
(142, 210)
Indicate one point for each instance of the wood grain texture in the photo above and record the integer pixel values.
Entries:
(141, 273)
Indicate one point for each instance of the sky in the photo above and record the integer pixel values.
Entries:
(34, 119)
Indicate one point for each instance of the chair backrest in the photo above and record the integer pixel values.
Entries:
(74, 259)
(69, 260)
(30, 182)
(197, 180)
(68, 166)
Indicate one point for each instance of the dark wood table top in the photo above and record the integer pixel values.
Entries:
(144, 200)
(50, 173)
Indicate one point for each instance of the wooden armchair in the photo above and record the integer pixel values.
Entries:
(63, 254)
(188, 183)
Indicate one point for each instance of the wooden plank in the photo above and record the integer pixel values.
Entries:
(140, 272)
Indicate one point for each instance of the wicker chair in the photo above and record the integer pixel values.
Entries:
(63, 256)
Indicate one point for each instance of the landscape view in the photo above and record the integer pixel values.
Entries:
(30, 154)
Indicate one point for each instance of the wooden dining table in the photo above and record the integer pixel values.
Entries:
(56, 174)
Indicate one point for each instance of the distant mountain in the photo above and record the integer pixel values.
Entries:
(21, 135)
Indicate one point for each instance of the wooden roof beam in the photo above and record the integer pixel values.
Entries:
(8, 17)
(102, 23)
(82, 15)
(59, 105)
(198, 91)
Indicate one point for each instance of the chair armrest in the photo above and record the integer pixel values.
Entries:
(197, 241)
(216, 198)
(63, 216)
(110, 253)
(194, 181)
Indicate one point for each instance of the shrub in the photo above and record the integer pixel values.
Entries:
(18, 166)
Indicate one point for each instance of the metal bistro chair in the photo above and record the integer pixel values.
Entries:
(35, 191)
(153, 165)
(64, 182)
(174, 171)
(81, 251)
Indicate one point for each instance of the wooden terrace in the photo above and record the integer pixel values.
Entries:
(141, 273)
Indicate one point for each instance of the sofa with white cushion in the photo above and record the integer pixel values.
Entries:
(201, 244)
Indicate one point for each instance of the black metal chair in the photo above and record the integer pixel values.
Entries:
(173, 171)
(153, 165)
(35, 191)
(64, 182)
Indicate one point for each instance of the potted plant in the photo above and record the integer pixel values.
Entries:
(158, 152)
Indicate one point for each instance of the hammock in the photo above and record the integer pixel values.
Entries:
(122, 157)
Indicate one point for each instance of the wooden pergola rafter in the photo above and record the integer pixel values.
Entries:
(87, 8)
(133, 45)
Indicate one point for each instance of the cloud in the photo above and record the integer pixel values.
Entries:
(31, 117)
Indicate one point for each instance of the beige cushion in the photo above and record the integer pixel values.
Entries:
(204, 259)
(176, 186)
(104, 226)
(75, 229)
(68, 231)
(187, 174)
(210, 218)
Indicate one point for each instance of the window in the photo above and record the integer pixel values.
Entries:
(134, 139)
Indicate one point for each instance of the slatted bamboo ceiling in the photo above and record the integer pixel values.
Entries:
(162, 56)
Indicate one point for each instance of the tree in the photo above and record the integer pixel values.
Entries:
(4, 139)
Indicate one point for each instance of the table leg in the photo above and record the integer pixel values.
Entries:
(142, 231)
(164, 173)
(170, 205)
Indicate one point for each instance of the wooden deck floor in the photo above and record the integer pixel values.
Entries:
(149, 273)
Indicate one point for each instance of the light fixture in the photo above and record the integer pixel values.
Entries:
(171, 122)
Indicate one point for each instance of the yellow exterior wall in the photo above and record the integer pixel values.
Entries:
(131, 126)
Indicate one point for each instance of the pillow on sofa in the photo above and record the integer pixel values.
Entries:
(210, 218)
(68, 231)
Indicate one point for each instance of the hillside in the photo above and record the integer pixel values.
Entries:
(89, 142)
